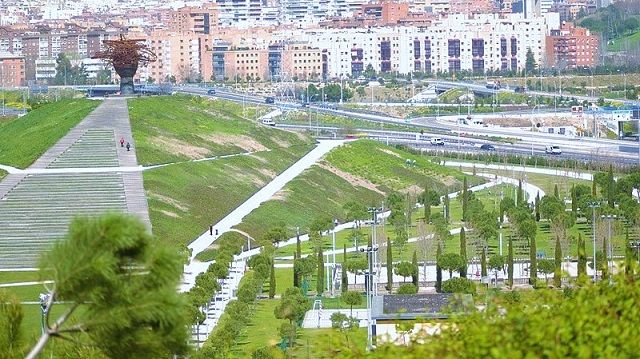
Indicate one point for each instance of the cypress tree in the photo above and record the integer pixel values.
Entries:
(389, 266)
(628, 252)
(520, 194)
(582, 257)
(320, 276)
(483, 262)
(557, 274)
(464, 199)
(537, 204)
(574, 201)
(611, 187)
(344, 279)
(272, 281)
(296, 277)
(446, 208)
(556, 193)
(510, 263)
(605, 267)
(463, 253)
(593, 188)
(438, 269)
(298, 245)
(414, 277)
(533, 265)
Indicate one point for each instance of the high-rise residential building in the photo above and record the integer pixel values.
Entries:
(571, 47)
(200, 20)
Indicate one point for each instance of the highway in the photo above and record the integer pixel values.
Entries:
(580, 148)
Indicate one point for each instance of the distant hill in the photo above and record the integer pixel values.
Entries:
(617, 23)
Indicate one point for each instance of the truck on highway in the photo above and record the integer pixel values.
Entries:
(436, 141)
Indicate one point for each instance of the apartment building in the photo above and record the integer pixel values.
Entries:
(11, 70)
(200, 20)
(571, 47)
(177, 55)
(239, 62)
(461, 42)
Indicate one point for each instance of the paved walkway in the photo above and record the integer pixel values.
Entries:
(546, 171)
(85, 173)
(235, 217)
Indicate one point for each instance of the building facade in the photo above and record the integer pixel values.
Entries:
(571, 47)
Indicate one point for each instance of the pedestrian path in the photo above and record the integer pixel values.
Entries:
(37, 204)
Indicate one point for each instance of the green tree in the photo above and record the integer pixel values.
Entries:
(389, 266)
(344, 279)
(530, 62)
(451, 262)
(351, 298)
(531, 228)
(582, 257)
(557, 275)
(459, 285)
(357, 265)
(574, 201)
(483, 262)
(537, 205)
(276, 234)
(520, 194)
(463, 253)
(125, 299)
(11, 315)
(428, 198)
(546, 267)
(505, 206)
(556, 193)
(272, 281)
(296, 276)
(465, 199)
(406, 269)
(355, 211)
(447, 216)
(320, 275)
(496, 263)
(407, 288)
(414, 263)
(292, 307)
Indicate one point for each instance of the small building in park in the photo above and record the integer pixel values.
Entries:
(398, 318)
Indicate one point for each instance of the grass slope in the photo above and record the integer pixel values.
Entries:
(316, 192)
(180, 128)
(386, 168)
(24, 139)
(185, 199)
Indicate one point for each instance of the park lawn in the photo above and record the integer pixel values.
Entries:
(262, 330)
(347, 124)
(182, 127)
(386, 167)
(625, 43)
(184, 199)
(19, 276)
(316, 192)
(28, 293)
(25, 138)
(328, 343)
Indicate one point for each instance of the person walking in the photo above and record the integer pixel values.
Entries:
(121, 141)
(128, 146)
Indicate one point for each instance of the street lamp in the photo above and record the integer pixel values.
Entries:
(333, 265)
(608, 249)
(370, 250)
(374, 238)
(593, 206)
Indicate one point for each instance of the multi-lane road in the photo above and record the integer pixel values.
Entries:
(466, 138)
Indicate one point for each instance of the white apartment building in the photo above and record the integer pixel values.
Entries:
(459, 42)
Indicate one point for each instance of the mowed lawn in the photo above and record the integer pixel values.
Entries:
(181, 128)
(24, 139)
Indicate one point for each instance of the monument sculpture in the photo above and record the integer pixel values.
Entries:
(126, 55)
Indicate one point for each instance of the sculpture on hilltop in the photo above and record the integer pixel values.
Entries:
(126, 55)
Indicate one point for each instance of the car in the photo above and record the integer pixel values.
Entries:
(487, 147)
(520, 89)
(436, 141)
(553, 150)
(211, 92)
(269, 100)
(267, 122)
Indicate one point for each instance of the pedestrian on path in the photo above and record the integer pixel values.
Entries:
(121, 141)
(128, 146)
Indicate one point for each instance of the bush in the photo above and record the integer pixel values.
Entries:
(407, 288)
(266, 353)
(459, 285)
(338, 320)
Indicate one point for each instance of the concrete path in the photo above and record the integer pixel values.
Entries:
(264, 194)
(86, 172)
(502, 167)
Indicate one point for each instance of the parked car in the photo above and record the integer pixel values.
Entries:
(211, 92)
(269, 100)
(436, 141)
(487, 147)
(553, 150)
(267, 122)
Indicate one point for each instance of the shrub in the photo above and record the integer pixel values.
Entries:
(459, 285)
(407, 288)
(338, 320)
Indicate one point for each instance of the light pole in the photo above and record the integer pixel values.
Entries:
(593, 206)
(609, 248)
(368, 288)
(333, 263)
(374, 238)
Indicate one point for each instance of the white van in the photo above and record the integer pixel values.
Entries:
(436, 141)
(267, 122)
(553, 150)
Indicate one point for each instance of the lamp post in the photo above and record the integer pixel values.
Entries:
(370, 250)
(333, 263)
(593, 206)
(374, 238)
(609, 249)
